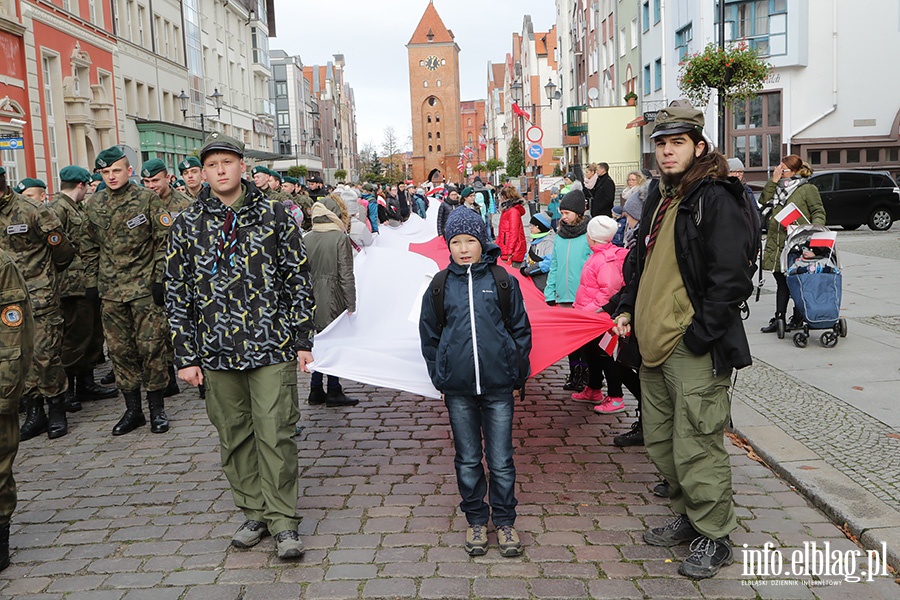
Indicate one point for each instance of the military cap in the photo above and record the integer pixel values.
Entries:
(276, 175)
(180, 183)
(75, 174)
(108, 157)
(188, 163)
(29, 182)
(2, 171)
(315, 179)
(97, 177)
(677, 119)
(152, 167)
(467, 191)
(291, 180)
(219, 142)
(259, 169)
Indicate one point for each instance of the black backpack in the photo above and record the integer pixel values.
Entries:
(501, 279)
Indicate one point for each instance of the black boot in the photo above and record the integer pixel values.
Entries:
(202, 389)
(159, 422)
(134, 415)
(109, 378)
(4, 546)
(583, 374)
(772, 327)
(35, 419)
(57, 425)
(337, 397)
(86, 388)
(632, 437)
(796, 321)
(71, 402)
(172, 387)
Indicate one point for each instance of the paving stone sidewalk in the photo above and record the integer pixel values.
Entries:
(150, 516)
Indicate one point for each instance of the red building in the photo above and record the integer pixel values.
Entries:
(15, 113)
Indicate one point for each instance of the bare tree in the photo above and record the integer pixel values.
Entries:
(391, 147)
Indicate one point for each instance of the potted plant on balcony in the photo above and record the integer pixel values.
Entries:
(631, 98)
(737, 69)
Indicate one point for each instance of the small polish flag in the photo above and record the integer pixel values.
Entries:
(788, 214)
(824, 239)
(609, 343)
(437, 190)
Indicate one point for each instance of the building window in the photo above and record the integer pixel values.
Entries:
(755, 132)
(281, 88)
(439, 147)
(284, 119)
(437, 118)
(432, 101)
(622, 42)
(438, 135)
(430, 149)
(656, 11)
(438, 83)
(260, 46)
(429, 135)
(645, 13)
(683, 38)
(634, 33)
(12, 167)
(763, 23)
(425, 84)
(646, 79)
(469, 122)
(657, 75)
(50, 73)
(429, 118)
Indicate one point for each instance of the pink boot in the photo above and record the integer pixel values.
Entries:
(588, 396)
(610, 406)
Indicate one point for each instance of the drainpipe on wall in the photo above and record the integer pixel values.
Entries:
(834, 72)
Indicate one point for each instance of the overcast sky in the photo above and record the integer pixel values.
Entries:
(372, 36)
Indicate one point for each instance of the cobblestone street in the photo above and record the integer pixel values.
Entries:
(150, 516)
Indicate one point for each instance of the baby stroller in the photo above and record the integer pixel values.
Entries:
(813, 274)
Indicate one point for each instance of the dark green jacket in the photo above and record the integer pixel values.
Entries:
(331, 266)
(16, 335)
(806, 198)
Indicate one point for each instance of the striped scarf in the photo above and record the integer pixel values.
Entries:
(227, 245)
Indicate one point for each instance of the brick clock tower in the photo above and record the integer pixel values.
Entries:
(434, 95)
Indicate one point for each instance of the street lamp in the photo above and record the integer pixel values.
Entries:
(217, 102)
(550, 89)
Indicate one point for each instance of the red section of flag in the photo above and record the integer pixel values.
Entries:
(824, 239)
(788, 214)
(462, 164)
(438, 190)
(519, 112)
(609, 343)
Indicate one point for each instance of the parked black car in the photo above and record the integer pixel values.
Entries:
(854, 198)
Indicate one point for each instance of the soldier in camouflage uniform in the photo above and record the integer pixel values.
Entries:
(125, 260)
(82, 347)
(16, 343)
(34, 238)
(240, 308)
(32, 188)
(155, 177)
(260, 176)
(193, 178)
(305, 203)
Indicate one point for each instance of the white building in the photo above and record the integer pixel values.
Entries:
(297, 115)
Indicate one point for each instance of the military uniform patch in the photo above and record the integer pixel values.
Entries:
(136, 221)
(54, 239)
(165, 219)
(18, 228)
(12, 316)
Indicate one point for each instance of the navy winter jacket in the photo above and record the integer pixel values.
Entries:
(474, 353)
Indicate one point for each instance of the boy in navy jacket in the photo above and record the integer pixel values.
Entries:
(476, 358)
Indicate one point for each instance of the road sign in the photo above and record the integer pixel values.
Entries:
(534, 134)
(12, 143)
(535, 151)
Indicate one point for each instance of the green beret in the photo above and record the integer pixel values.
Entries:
(188, 163)
(97, 177)
(219, 142)
(75, 174)
(275, 174)
(108, 157)
(291, 180)
(2, 171)
(259, 169)
(180, 183)
(152, 167)
(28, 182)
(467, 191)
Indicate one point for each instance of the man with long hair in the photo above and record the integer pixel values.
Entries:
(692, 272)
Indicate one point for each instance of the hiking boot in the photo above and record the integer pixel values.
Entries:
(677, 532)
(632, 437)
(707, 557)
(134, 415)
(288, 544)
(509, 541)
(476, 540)
(661, 489)
(610, 406)
(109, 378)
(338, 398)
(57, 425)
(159, 421)
(317, 395)
(172, 387)
(86, 388)
(589, 396)
(249, 534)
(35, 418)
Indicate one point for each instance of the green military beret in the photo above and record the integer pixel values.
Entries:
(188, 163)
(275, 174)
(75, 174)
(289, 179)
(259, 169)
(467, 191)
(108, 157)
(28, 182)
(152, 167)
(180, 183)
(97, 177)
(2, 171)
(219, 142)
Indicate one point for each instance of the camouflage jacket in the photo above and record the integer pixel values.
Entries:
(16, 335)
(251, 312)
(34, 238)
(74, 222)
(125, 250)
(177, 202)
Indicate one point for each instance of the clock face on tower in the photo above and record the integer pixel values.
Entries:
(432, 63)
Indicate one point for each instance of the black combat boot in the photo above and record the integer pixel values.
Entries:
(4, 546)
(86, 388)
(57, 425)
(337, 397)
(70, 402)
(172, 387)
(159, 422)
(133, 417)
(109, 378)
(35, 419)
(773, 324)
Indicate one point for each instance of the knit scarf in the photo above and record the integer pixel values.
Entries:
(786, 187)
(590, 182)
(568, 232)
(325, 220)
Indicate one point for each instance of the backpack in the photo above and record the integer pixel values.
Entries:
(501, 279)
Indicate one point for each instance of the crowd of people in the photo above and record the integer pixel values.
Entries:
(222, 278)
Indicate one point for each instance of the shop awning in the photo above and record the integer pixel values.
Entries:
(639, 122)
(263, 155)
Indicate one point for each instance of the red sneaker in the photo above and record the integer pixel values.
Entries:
(610, 406)
(588, 396)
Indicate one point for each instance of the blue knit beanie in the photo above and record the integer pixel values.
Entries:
(464, 220)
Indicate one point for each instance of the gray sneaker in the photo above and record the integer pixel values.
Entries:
(288, 544)
(509, 541)
(677, 532)
(476, 540)
(249, 534)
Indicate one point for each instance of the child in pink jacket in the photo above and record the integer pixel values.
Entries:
(601, 278)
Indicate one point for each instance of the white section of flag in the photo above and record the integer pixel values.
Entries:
(609, 343)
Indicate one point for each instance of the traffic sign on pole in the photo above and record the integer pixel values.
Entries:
(535, 151)
(534, 134)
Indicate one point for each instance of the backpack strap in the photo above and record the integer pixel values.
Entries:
(501, 279)
(437, 295)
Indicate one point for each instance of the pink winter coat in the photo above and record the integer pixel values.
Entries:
(601, 277)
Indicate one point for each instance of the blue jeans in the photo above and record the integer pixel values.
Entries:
(491, 414)
(316, 379)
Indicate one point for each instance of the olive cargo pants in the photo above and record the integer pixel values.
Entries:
(684, 410)
(255, 412)
(136, 334)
